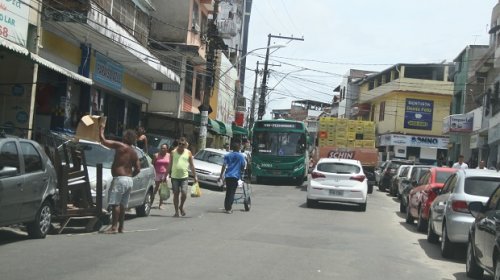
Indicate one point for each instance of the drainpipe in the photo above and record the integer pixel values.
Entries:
(35, 71)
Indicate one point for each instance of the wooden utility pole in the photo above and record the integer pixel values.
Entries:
(263, 87)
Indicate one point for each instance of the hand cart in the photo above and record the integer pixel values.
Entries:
(243, 193)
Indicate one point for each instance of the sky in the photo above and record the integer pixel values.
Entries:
(355, 34)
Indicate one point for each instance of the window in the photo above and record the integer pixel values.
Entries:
(339, 168)
(371, 85)
(32, 159)
(188, 89)
(425, 178)
(449, 185)
(9, 156)
(381, 113)
(441, 177)
(481, 186)
(198, 89)
(493, 201)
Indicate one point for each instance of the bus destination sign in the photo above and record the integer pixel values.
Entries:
(279, 125)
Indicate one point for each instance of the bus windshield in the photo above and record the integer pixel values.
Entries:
(280, 143)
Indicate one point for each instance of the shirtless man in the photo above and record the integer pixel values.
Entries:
(125, 166)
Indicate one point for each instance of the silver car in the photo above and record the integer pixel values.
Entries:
(142, 191)
(28, 186)
(449, 216)
(208, 163)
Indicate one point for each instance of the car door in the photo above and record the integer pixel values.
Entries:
(439, 204)
(415, 194)
(486, 230)
(35, 180)
(138, 189)
(11, 194)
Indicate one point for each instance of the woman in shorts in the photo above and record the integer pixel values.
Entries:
(161, 161)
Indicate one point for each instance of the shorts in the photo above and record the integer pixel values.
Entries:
(119, 192)
(179, 185)
(160, 177)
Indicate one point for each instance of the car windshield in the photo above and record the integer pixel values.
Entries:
(339, 168)
(210, 157)
(481, 186)
(280, 143)
(95, 154)
(441, 176)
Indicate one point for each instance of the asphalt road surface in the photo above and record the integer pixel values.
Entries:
(279, 238)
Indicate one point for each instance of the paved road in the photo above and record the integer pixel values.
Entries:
(278, 239)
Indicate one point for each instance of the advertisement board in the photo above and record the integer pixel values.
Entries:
(14, 20)
(458, 123)
(418, 114)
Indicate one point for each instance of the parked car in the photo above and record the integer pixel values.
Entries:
(484, 238)
(378, 171)
(449, 216)
(337, 180)
(393, 190)
(404, 178)
(390, 170)
(155, 141)
(28, 186)
(208, 163)
(142, 190)
(421, 197)
(408, 184)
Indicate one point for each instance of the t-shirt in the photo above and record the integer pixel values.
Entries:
(234, 162)
(457, 165)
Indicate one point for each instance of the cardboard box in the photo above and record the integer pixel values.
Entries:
(88, 127)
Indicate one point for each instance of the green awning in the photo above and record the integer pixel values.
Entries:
(212, 125)
(225, 129)
(238, 130)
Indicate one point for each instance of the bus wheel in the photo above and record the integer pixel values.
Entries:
(299, 181)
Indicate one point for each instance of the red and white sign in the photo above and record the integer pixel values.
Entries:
(14, 20)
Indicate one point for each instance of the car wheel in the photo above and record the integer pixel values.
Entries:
(247, 203)
(496, 276)
(471, 267)
(421, 222)
(432, 237)
(446, 245)
(409, 218)
(362, 207)
(311, 203)
(42, 223)
(370, 188)
(145, 208)
(402, 207)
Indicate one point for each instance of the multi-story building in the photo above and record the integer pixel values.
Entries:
(90, 56)
(348, 95)
(408, 103)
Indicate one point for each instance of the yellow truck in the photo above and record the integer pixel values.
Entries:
(349, 139)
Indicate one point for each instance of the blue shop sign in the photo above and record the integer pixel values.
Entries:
(418, 114)
(107, 72)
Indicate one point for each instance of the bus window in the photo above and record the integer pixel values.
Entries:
(280, 143)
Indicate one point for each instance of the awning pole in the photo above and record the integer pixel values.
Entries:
(35, 71)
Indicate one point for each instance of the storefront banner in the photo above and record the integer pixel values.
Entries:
(414, 141)
(400, 151)
(107, 72)
(458, 123)
(418, 114)
(14, 20)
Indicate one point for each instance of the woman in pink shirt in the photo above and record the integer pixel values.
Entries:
(161, 161)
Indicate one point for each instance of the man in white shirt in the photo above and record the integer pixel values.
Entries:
(460, 164)
(482, 165)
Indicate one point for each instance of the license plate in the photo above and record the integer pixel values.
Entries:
(337, 192)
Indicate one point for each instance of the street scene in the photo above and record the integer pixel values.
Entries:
(249, 139)
(279, 238)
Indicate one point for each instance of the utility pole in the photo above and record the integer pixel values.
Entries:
(254, 98)
(263, 87)
(214, 43)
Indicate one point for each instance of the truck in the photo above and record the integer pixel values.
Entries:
(348, 139)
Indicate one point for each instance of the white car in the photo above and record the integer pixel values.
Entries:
(338, 180)
(208, 163)
(142, 190)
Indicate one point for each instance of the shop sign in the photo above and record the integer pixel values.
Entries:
(107, 72)
(14, 20)
(458, 123)
(414, 141)
(418, 114)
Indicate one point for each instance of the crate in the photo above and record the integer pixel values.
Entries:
(341, 143)
(350, 143)
(342, 122)
(368, 143)
(351, 135)
(358, 143)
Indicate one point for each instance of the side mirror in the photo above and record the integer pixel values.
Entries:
(475, 208)
(8, 171)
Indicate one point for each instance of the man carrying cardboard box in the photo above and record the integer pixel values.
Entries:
(125, 166)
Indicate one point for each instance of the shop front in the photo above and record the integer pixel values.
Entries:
(422, 149)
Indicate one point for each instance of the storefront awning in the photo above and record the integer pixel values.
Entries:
(13, 47)
(60, 69)
(238, 130)
(225, 129)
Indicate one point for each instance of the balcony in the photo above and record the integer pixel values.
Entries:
(227, 28)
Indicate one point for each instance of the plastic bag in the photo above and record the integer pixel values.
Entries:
(195, 190)
(164, 191)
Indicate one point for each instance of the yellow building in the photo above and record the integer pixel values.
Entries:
(408, 103)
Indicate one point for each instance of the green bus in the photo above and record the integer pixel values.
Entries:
(279, 150)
